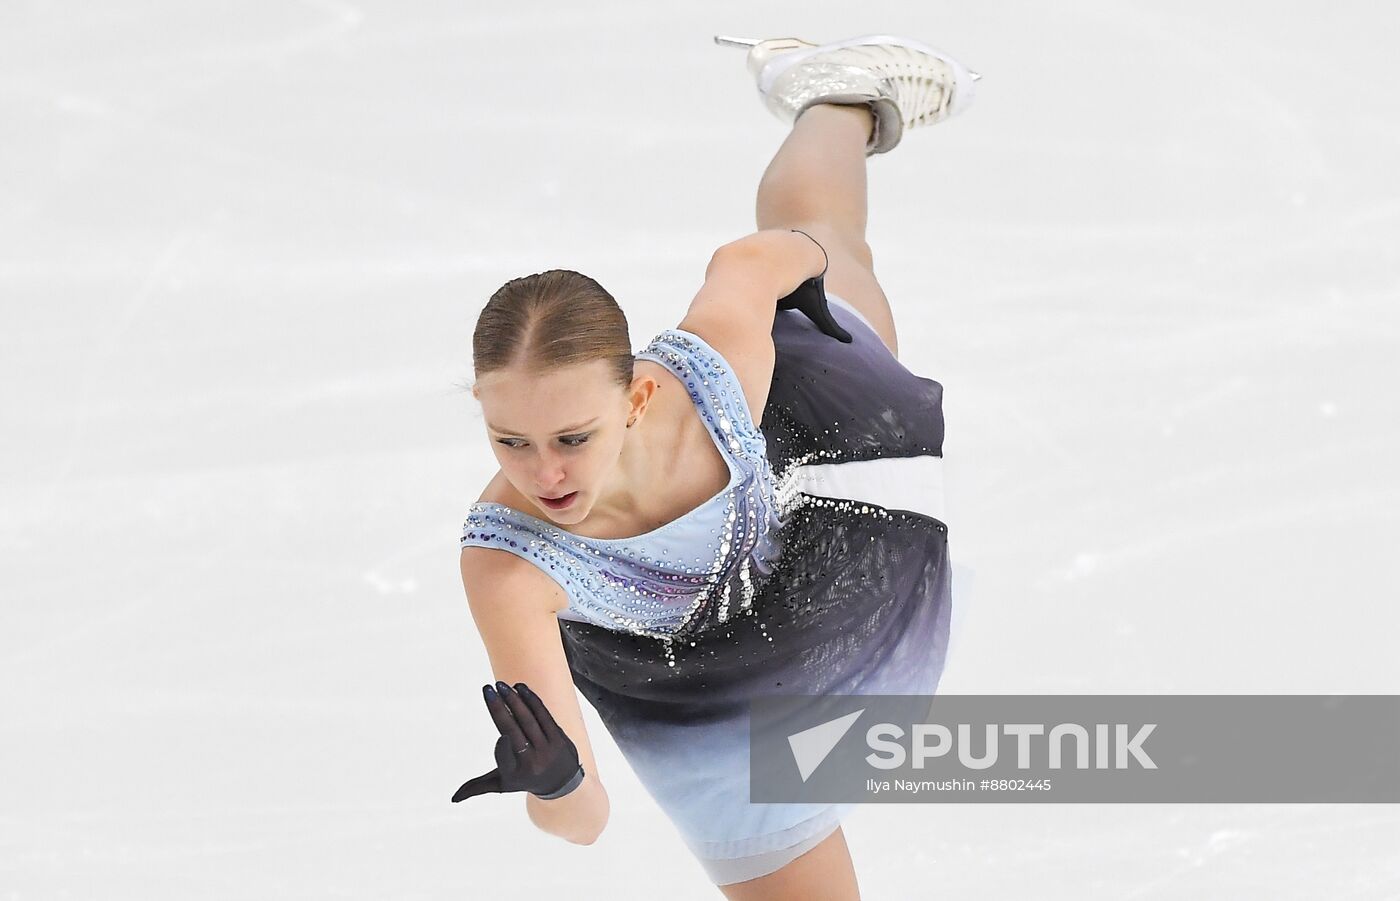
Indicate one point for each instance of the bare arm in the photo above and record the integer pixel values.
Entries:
(746, 278)
(513, 605)
(735, 308)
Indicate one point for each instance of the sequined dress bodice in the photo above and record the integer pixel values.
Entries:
(694, 571)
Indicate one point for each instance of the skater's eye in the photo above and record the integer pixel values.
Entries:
(567, 440)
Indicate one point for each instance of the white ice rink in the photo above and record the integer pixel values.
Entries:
(242, 249)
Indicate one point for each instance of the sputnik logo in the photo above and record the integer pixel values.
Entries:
(811, 746)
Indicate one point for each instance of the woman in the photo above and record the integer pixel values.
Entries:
(748, 506)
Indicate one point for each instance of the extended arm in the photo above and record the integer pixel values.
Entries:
(511, 603)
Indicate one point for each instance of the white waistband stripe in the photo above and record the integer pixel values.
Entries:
(898, 483)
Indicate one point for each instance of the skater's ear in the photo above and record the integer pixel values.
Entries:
(639, 395)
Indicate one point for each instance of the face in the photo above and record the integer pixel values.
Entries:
(560, 432)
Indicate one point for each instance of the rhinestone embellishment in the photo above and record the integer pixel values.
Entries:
(619, 583)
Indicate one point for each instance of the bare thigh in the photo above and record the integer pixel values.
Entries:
(825, 873)
(850, 275)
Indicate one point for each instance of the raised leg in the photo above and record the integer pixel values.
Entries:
(816, 182)
(825, 873)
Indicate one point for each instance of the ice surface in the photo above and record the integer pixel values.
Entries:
(242, 247)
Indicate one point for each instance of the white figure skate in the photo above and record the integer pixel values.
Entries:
(906, 84)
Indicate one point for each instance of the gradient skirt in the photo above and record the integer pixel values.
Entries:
(859, 601)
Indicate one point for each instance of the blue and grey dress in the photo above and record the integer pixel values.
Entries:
(821, 568)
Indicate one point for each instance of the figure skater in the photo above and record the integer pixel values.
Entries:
(749, 506)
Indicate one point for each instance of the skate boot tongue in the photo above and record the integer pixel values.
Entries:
(761, 52)
(765, 52)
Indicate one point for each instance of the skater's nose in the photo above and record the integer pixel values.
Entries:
(547, 485)
(549, 473)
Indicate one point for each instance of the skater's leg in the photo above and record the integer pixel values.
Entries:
(824, 872)
(816, 182)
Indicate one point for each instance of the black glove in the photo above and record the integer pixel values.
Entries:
(533, 754)
(810, 300)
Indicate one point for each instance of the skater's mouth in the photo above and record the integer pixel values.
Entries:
(558, 503)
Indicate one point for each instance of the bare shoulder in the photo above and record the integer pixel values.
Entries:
(497, 491)
(733, 312)
(745, 346)
(499, 581)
